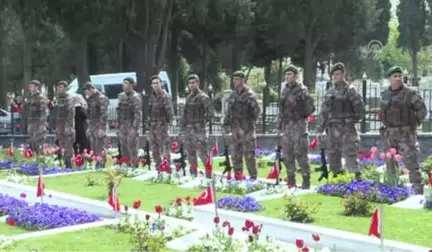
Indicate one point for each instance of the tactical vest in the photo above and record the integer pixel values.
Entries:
(94, 109)
(194, 109)
(241, 107)
(35, 111)
(63, 108)
(126, 109)
(341, 105)
(292, 104)
(397, 110)
(157, 108)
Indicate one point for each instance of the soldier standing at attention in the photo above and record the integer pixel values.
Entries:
(65, 122)
(296, 105)
(37, 116)
(242, 112)
(97, 115)
(161, 114)
(402, 110)
(129, 117)
(197, 112)
(342, 108)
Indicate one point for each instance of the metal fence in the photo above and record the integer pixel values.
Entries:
(14, 123)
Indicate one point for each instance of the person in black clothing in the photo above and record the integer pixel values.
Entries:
(81, 140)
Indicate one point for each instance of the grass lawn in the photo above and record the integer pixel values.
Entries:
(129, 190)
(5, 229)
(405, 225)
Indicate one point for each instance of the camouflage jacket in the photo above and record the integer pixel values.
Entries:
(97, 112)
(403, 107)
(129, 109)
(37, 108)
(296, 104)
(160, 108)
(198, 109)
(242, 110)
(342, 104)
(65, 111)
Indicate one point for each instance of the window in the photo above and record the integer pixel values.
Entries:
(98, 87)
(113, 90)
(2, 113)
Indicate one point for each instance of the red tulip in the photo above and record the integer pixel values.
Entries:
(137, 204)
(226, 224)
(249, 224)
(11, 222)
(316, 237)
(178, 201)
(187, 198)
(299, 243)
(230, 231)
(158, 209)
(216, 220)
(126, 208)
(256, 229)
(305, 249)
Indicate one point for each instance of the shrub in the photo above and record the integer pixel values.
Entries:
(299, 211)
(357, 204)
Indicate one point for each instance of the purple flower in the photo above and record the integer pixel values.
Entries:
(33, 169)
(379, 193)
(241, 204)
(42, 216)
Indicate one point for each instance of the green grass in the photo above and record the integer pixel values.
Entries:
(95, 239)
(149, 193)
(406, 225)
(5, 229)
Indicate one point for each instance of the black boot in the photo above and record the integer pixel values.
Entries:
(358, 176)
(291, 181)
(68, 163)
(306, 182)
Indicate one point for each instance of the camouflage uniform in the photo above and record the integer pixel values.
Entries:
(37, 119)
(161, 114)
(129, 115)
(296, 105)
(402, 111)
(342, 108)
(97, 116)
(65, 126)
(197, 112)
(242, 112)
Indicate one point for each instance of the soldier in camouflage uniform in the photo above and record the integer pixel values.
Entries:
(402, 110)
(129, 117)
(242, 112)
(161, 114)
(342, 108)
(97, 115)
(296, 105)
(37, 116)
(65, 122)
(197, 112)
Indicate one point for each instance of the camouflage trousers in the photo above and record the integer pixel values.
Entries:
(343, 141)
(160, 144)
(36, 136)
(404, 140)
(295, 144)
(243, 145)
(195, 143)
(97, 137)
(66, 137)
(128, 142)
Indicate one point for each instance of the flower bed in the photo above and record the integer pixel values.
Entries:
(171, 178)
(130, 172)
(41, 216)
(240, 204)
(377, 192)
(180, 208)
(234, 186)
(33, 169)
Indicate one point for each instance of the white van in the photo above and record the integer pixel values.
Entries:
(112, 85)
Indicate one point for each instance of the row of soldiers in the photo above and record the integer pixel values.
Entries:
(402, 110)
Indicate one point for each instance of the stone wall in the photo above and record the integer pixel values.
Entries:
(265, 141)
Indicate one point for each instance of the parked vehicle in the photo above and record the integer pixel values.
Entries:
(5, 122)
(112, 85)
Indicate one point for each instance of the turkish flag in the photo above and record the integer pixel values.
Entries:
(430, 179)
(215, 149)
(274, 173)
(205, 197)
(113, 197)
(311, 119)
(374, 226)
(174, 146)
(379, 116)
(40, 187)
(314, 143)
(208, 166)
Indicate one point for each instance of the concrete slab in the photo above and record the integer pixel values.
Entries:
(413, 202)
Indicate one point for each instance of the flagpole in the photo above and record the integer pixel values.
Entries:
(114, 196)
(214, 194)
(41, 189)
(381, 225)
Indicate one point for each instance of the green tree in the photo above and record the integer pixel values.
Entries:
(391, 54)
(412, 16)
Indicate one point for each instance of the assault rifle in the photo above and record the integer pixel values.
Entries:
(279, 160)
(147, 158)
(227, 162)
(324, 170)
(59, 153)
(182, 159)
